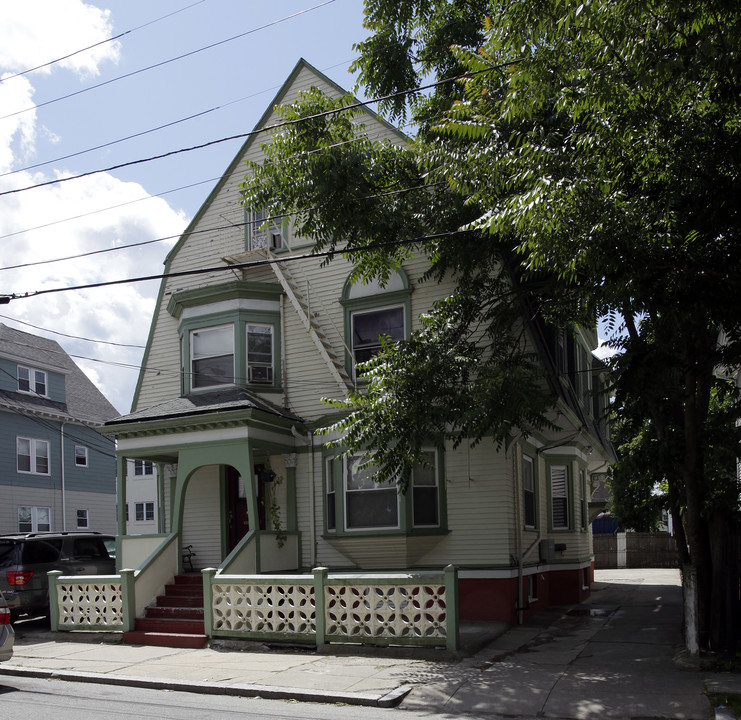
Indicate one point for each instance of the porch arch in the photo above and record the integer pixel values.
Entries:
(238, 455)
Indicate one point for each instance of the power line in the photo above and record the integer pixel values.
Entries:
(4, 299)
(138, 134)
(267, 128)
(72, 337)
(97, 44)
(216, 228)
(166, 62)
(95, 212)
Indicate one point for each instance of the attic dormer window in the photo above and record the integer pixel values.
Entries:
(31, 381)
(264, 233)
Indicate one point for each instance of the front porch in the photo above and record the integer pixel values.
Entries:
(413, 609)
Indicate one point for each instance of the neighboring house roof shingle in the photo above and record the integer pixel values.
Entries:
(84, 402)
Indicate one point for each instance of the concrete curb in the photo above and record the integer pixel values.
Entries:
(367, 699)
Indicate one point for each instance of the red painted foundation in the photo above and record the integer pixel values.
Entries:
(497, 598)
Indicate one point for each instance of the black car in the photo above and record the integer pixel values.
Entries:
(7, 635)
(25, 560)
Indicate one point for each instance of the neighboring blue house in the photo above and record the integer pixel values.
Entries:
(56, 471)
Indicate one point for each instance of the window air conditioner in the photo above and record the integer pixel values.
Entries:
(260, 374)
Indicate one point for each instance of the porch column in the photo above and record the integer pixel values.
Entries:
(289, 461)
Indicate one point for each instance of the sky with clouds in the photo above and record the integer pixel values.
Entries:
(180, 73)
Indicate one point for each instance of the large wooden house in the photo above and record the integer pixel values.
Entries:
(248, 337)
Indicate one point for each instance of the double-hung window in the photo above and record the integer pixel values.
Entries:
(425, 495)
(144, 511)
(83, 520)
(32, 456)
(212, 356)
(34, 519)
(368, 504)
(560, 514)
(528, 490)
(143, 467)
(369, 326)
(259, 353)
(80, 456)
(331, 496)
(32, 381)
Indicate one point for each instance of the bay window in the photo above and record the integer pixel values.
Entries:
(356, 502)
(259, 353)
(212, 356)
(369, 504)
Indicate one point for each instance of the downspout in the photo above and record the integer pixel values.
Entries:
(64, 499)
(284, 378)
(309, 439)
(312, 483)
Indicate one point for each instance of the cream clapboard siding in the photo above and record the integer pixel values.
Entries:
(161, 379)
(480, 507)
(202, 517)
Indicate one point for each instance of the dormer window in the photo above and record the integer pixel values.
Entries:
(212, 356)
(264, 233)
(32, 381)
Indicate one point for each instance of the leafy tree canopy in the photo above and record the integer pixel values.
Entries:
(591, 154)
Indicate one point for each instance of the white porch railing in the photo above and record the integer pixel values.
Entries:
(418, 609)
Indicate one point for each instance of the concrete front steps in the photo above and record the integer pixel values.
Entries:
(176, 620)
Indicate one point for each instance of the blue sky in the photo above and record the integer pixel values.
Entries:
(229, 86)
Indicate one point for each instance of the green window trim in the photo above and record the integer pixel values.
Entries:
(337, 499)
(560, 496)
(362, 302)
(240, 320)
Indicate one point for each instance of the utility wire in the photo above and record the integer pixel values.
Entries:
(72, 337)
(4, 299)
(268, 128)
(166, 62)
(97, 44)
(100, 210)
(217, 228)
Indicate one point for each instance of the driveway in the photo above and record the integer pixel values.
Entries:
(618, 656)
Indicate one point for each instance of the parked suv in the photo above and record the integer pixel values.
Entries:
(7, 635)
(25, 560)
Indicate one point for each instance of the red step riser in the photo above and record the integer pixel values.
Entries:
(175, 613)
(196, 579)
(183, 591)
(179, 626)
(175, 601)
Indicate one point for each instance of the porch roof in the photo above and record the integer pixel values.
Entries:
(203, 403)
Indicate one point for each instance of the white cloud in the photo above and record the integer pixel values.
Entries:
(35, 224)
(35, 32)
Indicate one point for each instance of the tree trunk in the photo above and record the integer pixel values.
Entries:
(689, 594)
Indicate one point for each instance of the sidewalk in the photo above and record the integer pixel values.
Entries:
(615, 657)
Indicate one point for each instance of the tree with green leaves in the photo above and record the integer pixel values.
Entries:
(577, 160)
